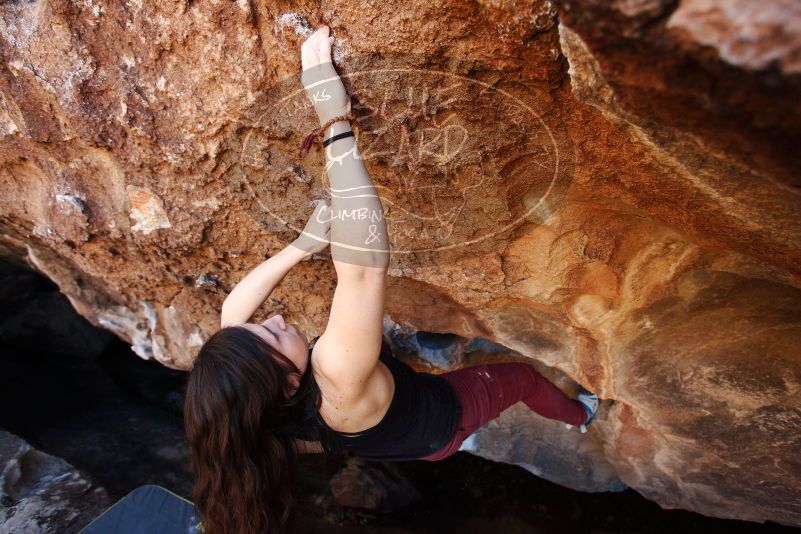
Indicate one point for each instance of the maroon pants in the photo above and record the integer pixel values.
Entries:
(485, 391)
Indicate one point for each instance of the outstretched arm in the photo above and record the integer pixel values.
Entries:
(256, 286)
(348, 349)
(253, 289)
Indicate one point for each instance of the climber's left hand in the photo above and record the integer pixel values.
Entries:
(316, 236)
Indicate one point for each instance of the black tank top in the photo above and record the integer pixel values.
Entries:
(422, 417)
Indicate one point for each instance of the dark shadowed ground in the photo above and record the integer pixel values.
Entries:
(117, 418)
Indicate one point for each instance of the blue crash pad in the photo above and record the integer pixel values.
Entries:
(149, 509)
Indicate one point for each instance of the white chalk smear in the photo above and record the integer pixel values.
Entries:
(297, 22)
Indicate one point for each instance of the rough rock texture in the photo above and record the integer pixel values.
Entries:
(40, 493)
(608, 188)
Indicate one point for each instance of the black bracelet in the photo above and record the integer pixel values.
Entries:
(337, 137)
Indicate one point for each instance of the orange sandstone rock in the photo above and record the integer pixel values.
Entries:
(610, 189)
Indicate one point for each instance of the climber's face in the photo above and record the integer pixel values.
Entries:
(285, 338)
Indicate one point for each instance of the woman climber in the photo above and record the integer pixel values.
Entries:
(259, 394)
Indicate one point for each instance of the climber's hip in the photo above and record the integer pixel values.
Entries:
(484, 391)
(481, 392)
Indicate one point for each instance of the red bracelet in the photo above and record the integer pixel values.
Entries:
(309, 140)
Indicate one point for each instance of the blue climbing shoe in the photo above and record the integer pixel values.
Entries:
(590, 403)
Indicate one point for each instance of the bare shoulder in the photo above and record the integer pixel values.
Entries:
(337, 373)
(346, 408)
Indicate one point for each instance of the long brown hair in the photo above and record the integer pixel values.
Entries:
(241, 425)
